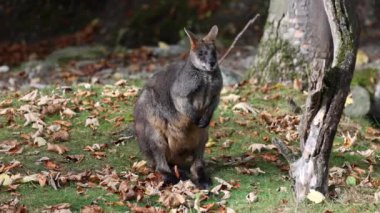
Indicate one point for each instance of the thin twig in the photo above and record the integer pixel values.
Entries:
(238, 36)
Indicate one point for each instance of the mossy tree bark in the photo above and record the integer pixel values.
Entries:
(329, 85)
(296, 32)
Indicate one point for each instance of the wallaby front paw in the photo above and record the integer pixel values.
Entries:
(203, 123)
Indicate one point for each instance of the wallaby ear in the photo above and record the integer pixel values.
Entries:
(192, 38)
(211, 36)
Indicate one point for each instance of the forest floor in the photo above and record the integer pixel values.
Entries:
(73, 148)
(66, 141)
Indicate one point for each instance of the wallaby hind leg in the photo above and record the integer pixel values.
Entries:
(158, 146)
(200, 177)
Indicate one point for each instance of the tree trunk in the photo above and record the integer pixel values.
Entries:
(329, 85)
(296, 32)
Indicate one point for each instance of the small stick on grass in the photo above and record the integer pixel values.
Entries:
(251, 21)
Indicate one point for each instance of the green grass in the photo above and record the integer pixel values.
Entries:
(122, 157)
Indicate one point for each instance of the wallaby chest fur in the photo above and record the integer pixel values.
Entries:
(160, 107)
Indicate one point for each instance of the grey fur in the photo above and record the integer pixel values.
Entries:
(174, 110)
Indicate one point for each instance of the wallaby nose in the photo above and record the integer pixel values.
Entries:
(212, 63)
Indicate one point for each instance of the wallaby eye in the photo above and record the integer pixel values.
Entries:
(201, 53)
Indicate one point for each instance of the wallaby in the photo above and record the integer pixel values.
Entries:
(175, 108)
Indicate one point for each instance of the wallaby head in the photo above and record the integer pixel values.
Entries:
(203, 52)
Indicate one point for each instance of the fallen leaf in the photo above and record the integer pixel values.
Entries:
(140, 167)
(210, 143)
(171, 199)
(227, 144)
(361, 58)
(92, 209)
(367, 153)
(11, 147)
(251, 197)
(245, 107)
(144, 209)
(60, 149)
(249, 171)
(121, 82)
(60, 136)
(7, 167)
(40, 141)
(297, 84)
(92, 122)
(51, 165)
(59, 208)
(32, 96)
(258, 147)
(30, 178)
(230, 98)
(315, 196)
(68, 112)
(5, 180)
(13, 206)
(75, 158)
(377, 197)
(349, 140)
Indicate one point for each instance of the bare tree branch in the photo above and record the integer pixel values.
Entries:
(251, 21)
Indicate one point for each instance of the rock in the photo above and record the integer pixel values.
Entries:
(229, 77)
(4, 69)
(361, 102)
(375, 111)
(36, 68)
(77, 53)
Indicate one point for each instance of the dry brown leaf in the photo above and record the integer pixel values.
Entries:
(60, 149)
(348, 140)
(60, 136)
(92, 122)
(63, 123)
(227, 144)
(11, 147)
(269, 157)
(171, 199)
(245, 107)
(6, 103)
(51, 165)
(7, 167)
(121, 82)
(39, 141)
(59, 208)
(68, 113)
(258, 147)
(249, 171)
(99, 155)
(267, 117)
(92, 209)
(146, 209)
(251, 197)
(42, 179)
(75, 158)
(367, 153)
(131, 92)
(140, 167)
(297, 84)
(230, 98)
(32, 96)
(13, 206)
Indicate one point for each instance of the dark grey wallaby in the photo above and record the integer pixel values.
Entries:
(174, 110)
